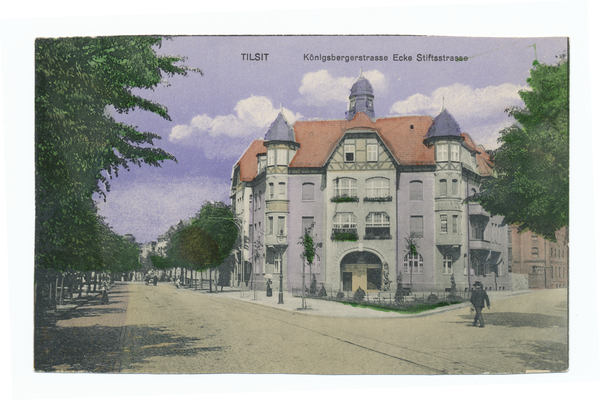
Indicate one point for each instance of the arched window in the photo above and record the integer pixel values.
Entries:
(378, 226)
(308, 191)
(344, 221)
(378, 187)
(413, 264)
(416, 190)
(345, 187)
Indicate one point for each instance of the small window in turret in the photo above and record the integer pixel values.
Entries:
(352, 104)
(369, 103)
(455, 152)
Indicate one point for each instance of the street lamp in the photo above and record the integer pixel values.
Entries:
(281, 239)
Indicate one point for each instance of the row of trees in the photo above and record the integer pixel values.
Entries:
(79, 146)
(205, 244)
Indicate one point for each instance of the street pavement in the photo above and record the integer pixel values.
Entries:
(162, 329)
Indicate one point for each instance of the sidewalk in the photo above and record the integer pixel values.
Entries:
(334, 309)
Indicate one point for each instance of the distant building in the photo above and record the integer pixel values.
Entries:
(365, 185)
(545, 263)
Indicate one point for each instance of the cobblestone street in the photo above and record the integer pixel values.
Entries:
(169, 330)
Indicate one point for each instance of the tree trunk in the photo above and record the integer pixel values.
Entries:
(62, 288)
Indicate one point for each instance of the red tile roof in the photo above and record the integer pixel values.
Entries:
(249, 162)
(318, 139)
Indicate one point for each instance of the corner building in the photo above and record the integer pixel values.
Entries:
(366, 185)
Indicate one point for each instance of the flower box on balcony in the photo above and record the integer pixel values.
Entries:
(344, 236)
(344, 199)
(377, 199)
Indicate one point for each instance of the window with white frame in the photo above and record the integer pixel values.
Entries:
(444, 223)
(372, 150)
(308, 191)
(277, 263)
(349, 151)
(378, 187)
(345, 187)
(416, 190)
(413, 264)
(378, 224)
(454, 152)
(271, 157)
(442, 152)
(271, 190)
(282, 156)
(344, 220)
(447, 264)
(280, 225)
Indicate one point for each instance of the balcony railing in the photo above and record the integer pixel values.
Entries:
(344, 199)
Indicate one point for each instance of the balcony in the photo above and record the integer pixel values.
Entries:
(377, 233)
(344, 199)
(481, 244)
(477, 209)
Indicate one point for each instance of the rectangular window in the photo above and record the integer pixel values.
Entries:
(454, 187)
(416, 190)
(416, 225)
(455, 224)
(447, 264)
(345, 187)
(307, 223)
(372, 152)
(443, 188)
(344, 221)
(477, 229)
(277, 263)
(442, 152)
(308, 192)
(444, 223)
(271, 157)
(510, 254)
(455, 152)
(378, 224)
(535, 252)
(271, 190)
(282, 157)
(270, 226)
(349, 150)
(281, 190)
(280, 225)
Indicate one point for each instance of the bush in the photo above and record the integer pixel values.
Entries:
(339, 296)
(359, 295)
(432, 298)
(322, 292)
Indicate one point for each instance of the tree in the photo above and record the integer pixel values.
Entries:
(532, 163)
(78, 144)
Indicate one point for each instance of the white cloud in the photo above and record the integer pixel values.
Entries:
(479, 112)
(229, 135)
(134, 208)
(321, 88)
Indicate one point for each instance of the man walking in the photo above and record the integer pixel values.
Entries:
(478, 299)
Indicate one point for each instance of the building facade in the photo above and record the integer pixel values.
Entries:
(366, 188)
(545, 263)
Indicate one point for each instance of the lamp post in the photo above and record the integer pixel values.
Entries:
(280, 246)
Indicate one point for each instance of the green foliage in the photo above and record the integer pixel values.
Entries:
(532, 162)
(79, 146)
(162, 262)
(344, 199)
(345, 237)
(209, 239)
(309, 248)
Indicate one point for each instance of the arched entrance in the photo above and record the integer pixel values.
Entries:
(361, 269)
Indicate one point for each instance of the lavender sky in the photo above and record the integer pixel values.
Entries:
(216, 116)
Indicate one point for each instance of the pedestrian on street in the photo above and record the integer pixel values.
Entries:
(478, 299)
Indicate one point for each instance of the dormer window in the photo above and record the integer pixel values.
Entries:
(349, 150)
(352, 104)
(369, 103)
(454, 152)
(442, 152)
